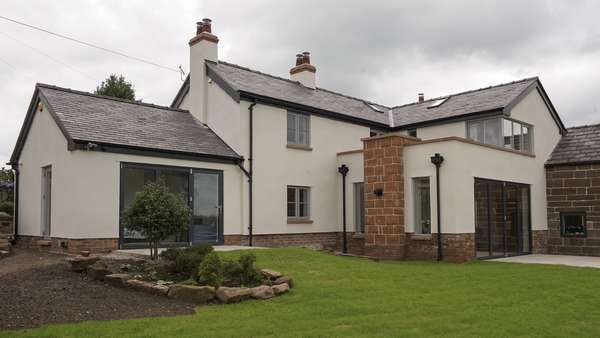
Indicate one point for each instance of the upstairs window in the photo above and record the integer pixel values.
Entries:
(298, 129)
(502, 132)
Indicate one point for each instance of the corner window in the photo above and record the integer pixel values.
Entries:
(298, 202)
(298, 129)
(422, 202)
(572, 224)
(501, 132)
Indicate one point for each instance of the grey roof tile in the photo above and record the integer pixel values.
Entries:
(470, 102)
(94, 118)
(251, 81)
(579, 145)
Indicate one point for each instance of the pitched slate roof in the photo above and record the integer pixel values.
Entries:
(242, 79)
(489, 99)
(85, 117)
(242, 82)
(580, 145)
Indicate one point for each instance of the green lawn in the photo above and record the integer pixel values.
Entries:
(341, 296)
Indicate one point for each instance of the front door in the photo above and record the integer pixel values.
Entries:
(46, 200)
(207, 207)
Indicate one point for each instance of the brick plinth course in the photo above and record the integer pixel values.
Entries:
(573, 188)
(73, 246)
(457, 248)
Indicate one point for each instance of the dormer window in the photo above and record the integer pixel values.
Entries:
(502, 132)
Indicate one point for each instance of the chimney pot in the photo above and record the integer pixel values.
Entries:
(306, 57)
(421, 97)
(204, 26)
(299, 59)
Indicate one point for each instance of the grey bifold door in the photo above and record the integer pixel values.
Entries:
(207, 207)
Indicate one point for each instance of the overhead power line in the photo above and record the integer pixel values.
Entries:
(90, 44)
(64, 64)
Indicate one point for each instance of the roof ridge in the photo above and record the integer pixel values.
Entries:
(79, 92)
(584, 126)
(297, 82)
(469, 91)
(259, 72)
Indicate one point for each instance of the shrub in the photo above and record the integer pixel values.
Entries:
(171, 254)
(7, 207)
(210, 271)
(249, 275)
(232, 272)
(186, 260)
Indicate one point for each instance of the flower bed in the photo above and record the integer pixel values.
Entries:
(195, 274)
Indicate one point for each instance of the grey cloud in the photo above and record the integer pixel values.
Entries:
(386, 51)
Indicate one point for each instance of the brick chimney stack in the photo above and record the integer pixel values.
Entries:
(304, 72)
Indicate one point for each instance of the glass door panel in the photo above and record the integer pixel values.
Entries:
(133, 182)
(482, 226)
(525, 226)
(513, 219)
(206, 207)
(178, 183)
(496, 218)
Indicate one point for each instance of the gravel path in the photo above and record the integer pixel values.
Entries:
(38, 288)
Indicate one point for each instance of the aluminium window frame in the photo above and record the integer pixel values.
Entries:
(529, 126)
(573, 213)
(297, 203)
(415, 206)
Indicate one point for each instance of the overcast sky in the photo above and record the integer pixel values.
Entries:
(385, 51)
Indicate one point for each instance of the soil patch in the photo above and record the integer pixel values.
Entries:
(38, 288)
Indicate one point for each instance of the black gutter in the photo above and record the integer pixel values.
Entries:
(437, 160)
(343, 169)
(574, 163)
(250, 170)
(444, 120)
(307, 109)
(15, 168)
(153, 152)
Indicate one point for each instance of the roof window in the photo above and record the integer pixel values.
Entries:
(438, 102)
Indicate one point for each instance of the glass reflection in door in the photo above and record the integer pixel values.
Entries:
(206, 207)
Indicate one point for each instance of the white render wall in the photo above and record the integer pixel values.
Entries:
(354, 161)
(85, 186)
(466, 161)
(276, 166)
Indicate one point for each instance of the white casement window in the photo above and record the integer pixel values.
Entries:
(298, 129)
(503, 133)
(298, 202)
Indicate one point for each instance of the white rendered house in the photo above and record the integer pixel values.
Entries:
(258, 157)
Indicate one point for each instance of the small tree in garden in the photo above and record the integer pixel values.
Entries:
(157, 214)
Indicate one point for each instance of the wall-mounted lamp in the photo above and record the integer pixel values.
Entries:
(378, 192)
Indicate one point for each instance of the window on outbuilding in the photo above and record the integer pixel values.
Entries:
(572, 224)
(298, 129)
(298, 202)
(412, 132)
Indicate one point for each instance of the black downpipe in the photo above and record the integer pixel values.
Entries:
(250, 171)
(343, 169)
(16, 205)
(437, 160)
